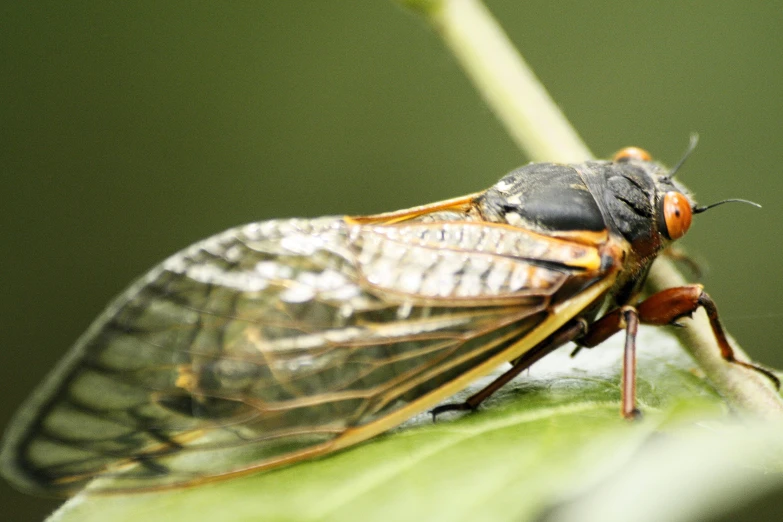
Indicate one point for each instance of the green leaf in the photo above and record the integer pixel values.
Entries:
(553, 435)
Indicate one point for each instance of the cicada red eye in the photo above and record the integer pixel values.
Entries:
(632, 153)
(677, 214)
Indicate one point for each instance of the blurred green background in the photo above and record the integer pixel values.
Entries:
(131, 129)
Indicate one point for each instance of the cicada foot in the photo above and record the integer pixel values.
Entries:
(453, 406)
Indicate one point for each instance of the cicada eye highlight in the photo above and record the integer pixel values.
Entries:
(677, 214)
(632, 153)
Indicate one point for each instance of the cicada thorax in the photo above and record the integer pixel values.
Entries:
(631, 199)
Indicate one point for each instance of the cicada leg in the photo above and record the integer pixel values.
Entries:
(626, 318)
(663, 308)
(567, 333)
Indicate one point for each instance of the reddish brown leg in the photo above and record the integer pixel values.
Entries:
(626, 318)
(660, 309)
(663, 308)
(683, 301)
(567, 333)
(629, 409)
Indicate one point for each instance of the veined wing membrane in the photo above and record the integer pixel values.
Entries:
(268, 342)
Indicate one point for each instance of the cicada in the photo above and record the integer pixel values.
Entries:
(284, 340)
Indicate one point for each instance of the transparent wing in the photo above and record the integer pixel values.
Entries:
(270, 342)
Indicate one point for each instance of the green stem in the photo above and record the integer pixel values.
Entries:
(532, 118)
(505, 81)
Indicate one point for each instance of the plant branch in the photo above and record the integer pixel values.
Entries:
(531, 117)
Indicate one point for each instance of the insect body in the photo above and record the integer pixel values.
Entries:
(282, 340)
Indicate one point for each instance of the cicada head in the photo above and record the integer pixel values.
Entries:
(646, 204)
(673, 206)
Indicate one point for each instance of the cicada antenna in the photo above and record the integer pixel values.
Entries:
(699, 210)
(694, 140)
